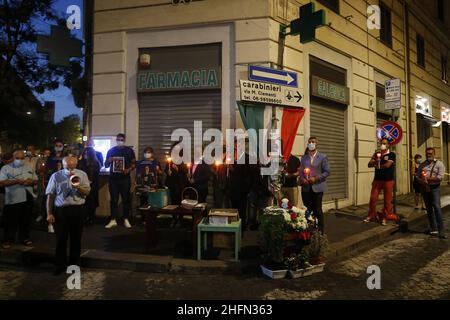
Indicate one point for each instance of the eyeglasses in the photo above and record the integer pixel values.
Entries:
(20, 158)
(120, 140)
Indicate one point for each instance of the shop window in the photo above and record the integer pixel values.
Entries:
(441, 10)
(444, 68)
(420, 50)
(386, 25)
(330, 4)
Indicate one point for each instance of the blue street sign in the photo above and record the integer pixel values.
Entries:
(275, 76)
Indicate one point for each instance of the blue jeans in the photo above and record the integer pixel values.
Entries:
(433, 204)
(120, 187)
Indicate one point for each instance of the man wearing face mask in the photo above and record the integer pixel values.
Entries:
(18, 180)
(314, 171)
(66, 193)
(429, 175)
(148, 175)
(384, 163)
(122, 161)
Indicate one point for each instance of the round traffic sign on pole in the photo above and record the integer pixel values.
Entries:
(390, 130)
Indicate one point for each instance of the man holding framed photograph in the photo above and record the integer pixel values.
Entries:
(122, 161)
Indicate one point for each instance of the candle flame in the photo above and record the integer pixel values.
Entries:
(307, 170)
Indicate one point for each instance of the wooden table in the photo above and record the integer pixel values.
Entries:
(150, 223)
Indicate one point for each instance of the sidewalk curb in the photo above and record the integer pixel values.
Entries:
(167, 264)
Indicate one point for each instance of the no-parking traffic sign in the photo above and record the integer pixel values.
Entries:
(390, 130)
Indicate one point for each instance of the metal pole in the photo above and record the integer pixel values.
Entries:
(394, 203)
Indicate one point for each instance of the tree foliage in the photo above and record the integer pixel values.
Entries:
(24, 72)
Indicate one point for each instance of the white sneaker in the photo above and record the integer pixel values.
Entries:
(111, 224)
(51, 229)
(39, 219)
(127, 224)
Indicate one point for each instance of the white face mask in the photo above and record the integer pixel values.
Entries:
(59, 149)
(148, 155)
(28, 154)
(120, 143)
(383, 147)
(311, 146)
(18, 162)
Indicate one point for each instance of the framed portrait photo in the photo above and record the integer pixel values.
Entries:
(118, 164)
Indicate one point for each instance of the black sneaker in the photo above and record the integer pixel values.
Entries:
(442, 236)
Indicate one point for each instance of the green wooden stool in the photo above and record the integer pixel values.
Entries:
(234, 227)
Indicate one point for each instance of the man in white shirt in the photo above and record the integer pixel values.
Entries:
(18, 180)
(66, 193)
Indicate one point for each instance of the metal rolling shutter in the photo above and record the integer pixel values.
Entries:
(328, 125)
(161, 114)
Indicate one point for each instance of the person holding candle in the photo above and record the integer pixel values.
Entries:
(220, 182)
(199, 173)
(429, 175)
(416, 184)
(384, 163)
(314, 170)
(289, 189)
(176, 174)
(148, 174)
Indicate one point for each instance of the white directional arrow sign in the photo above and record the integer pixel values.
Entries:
(264, 74)
(274, 76)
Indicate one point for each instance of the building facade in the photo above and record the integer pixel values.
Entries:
(199, 51)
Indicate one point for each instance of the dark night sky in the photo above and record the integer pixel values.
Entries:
(62, 96)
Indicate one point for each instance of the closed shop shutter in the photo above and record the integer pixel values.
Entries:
(329, 126)
(161, 114)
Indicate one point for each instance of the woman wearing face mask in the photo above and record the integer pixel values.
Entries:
(417, 187)
(148, 175)
(54, 161)
(91, 166)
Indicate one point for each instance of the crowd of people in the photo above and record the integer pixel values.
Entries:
(62, 189)
(427, 178)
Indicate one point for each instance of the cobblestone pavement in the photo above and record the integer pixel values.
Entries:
(413, 266)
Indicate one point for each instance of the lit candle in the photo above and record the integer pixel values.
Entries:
(228, 161)
(378, 158)
(306, 172)
(189, 166)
